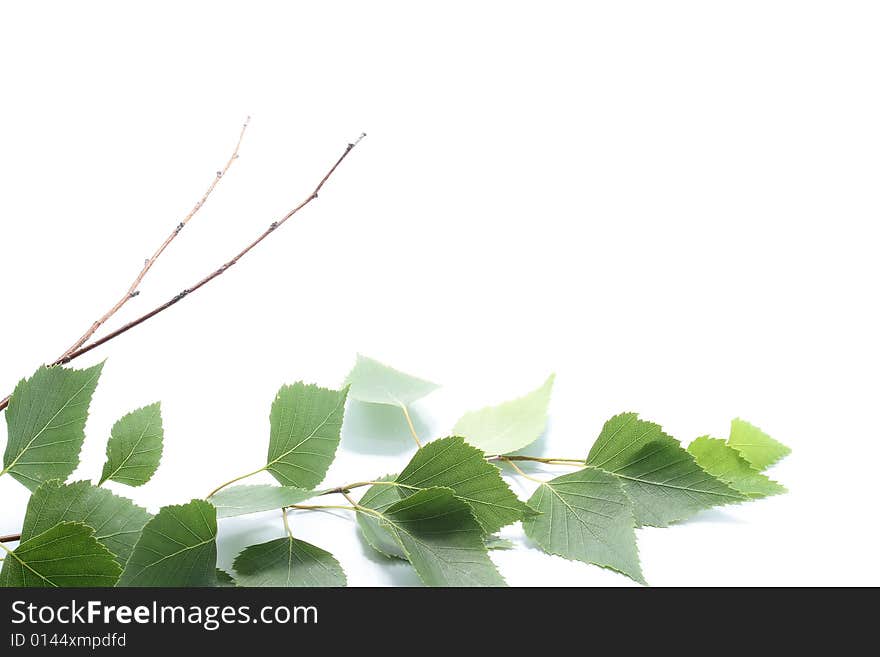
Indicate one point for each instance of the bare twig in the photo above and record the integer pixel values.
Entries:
(10, 539)
(217, 272)
(207, 279)
(149, 262)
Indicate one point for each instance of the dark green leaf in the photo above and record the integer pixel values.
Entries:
(287, 562)
(66, 555)
(452, 463)
(178, 547)
(117, 521)
(135, 447)
(442, 539)
(586, 516)
(46, 421)
(663, 481)
(306, 422)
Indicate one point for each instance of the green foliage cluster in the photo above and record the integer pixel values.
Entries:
(440, 513)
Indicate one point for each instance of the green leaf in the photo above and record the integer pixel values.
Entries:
(306, 422)
(224, 579)
(117, 521)
(379, 497)
(726, 463)
(66, 555)
(242, 500)
(509, 426)
(663, 481)
(442, 539)
(177, 548)
(287, 562)
(46, 421)
(135, 447)
(495, 542)
(757, 447)
(452, 463)
(586, 516)
(375, 383)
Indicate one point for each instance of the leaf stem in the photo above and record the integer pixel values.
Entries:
(520, 471)
(286, 523)
(318, 507)
(412, 428)
(342, 490)
(232, 481)
(539, 459)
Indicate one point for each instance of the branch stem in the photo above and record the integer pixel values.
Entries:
(342, 490)
(86, 348)
(214, 274)
(233, 481)
(132, 290)
(11, 538)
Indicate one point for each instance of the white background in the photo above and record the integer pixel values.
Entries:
(672, 205)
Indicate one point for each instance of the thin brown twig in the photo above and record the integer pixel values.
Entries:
(217, 272)
(11, 538)
(207, 279)
(149, 262)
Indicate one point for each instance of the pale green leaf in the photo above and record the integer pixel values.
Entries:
(757, 447)
(287, 562)
(586, 516)
(305, 425)
(178, 547)
(442, 539)
(726, 463)
(663, 481)
(135, 447)
(242, 500)
(375, 383)
(379, 497)
(46, 421)
(452, 463)
(117, 521)
(509, 426)
(65, 555)
(495, 542)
